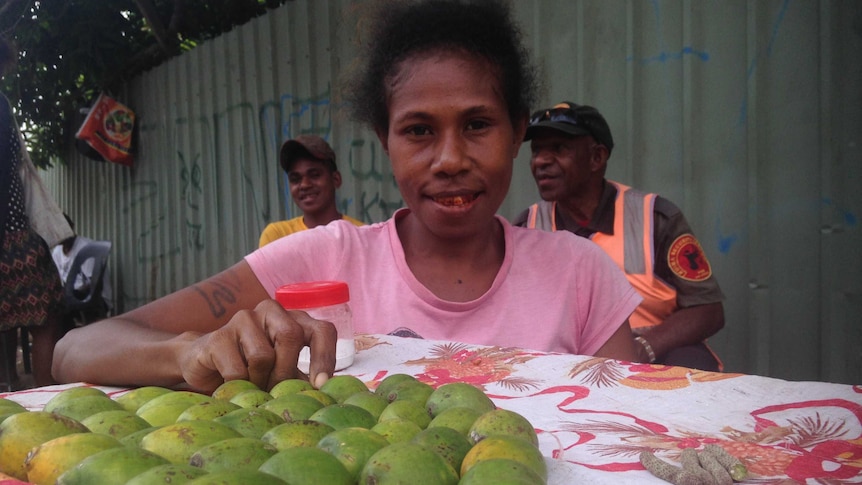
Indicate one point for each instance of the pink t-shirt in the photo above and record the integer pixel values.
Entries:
(536, 301)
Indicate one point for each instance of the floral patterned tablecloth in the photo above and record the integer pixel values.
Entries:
(595, 416)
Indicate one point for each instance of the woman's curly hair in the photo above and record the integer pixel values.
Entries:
(395, 30)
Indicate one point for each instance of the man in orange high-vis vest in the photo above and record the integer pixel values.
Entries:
(646, 235)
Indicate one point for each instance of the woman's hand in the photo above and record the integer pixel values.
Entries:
(260, 345)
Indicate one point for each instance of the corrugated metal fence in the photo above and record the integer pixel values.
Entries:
(746, 114)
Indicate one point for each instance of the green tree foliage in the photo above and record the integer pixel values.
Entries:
(70, 50)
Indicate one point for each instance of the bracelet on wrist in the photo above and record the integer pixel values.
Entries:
(650, 352)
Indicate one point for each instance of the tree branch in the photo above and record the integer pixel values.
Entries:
(10, 9)
(166, 39)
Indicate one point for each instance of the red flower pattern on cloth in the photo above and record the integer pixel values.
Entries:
(459, 363)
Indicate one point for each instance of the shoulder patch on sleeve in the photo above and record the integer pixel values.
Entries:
(686, 259)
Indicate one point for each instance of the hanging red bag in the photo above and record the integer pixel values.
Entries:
(108, 129)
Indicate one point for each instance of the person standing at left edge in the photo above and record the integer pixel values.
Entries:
(645, 234)
(31, 294)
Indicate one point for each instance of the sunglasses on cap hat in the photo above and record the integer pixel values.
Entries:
(572, 119)
(560, 113)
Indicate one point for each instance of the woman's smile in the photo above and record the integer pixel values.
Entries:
(455, 200)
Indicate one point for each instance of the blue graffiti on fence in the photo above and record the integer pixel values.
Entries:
(752, 67)
(664, 56)
(734, 149)
(848, 217)
(725, 242)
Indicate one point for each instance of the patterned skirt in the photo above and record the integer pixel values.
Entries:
(30, 286)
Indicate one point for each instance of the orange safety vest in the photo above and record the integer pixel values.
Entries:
(630, 246)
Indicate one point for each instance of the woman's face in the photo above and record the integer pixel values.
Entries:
(451, 141)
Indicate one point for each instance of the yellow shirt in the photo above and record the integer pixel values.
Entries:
(279, 229)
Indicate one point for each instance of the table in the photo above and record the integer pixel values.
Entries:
(595, 416)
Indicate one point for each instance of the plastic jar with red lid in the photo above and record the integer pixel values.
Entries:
(328, 301)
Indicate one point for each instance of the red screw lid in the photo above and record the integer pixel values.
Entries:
(299, 296)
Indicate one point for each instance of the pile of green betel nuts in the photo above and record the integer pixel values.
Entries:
(344, 433)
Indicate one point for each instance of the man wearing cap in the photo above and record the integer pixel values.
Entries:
(646, 235)
(312, 178)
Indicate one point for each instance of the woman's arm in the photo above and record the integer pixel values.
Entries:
(621, 345)
(225, 327)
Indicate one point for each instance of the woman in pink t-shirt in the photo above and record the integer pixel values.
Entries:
(447, 87)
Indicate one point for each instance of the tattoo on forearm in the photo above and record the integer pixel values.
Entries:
(219, 291)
